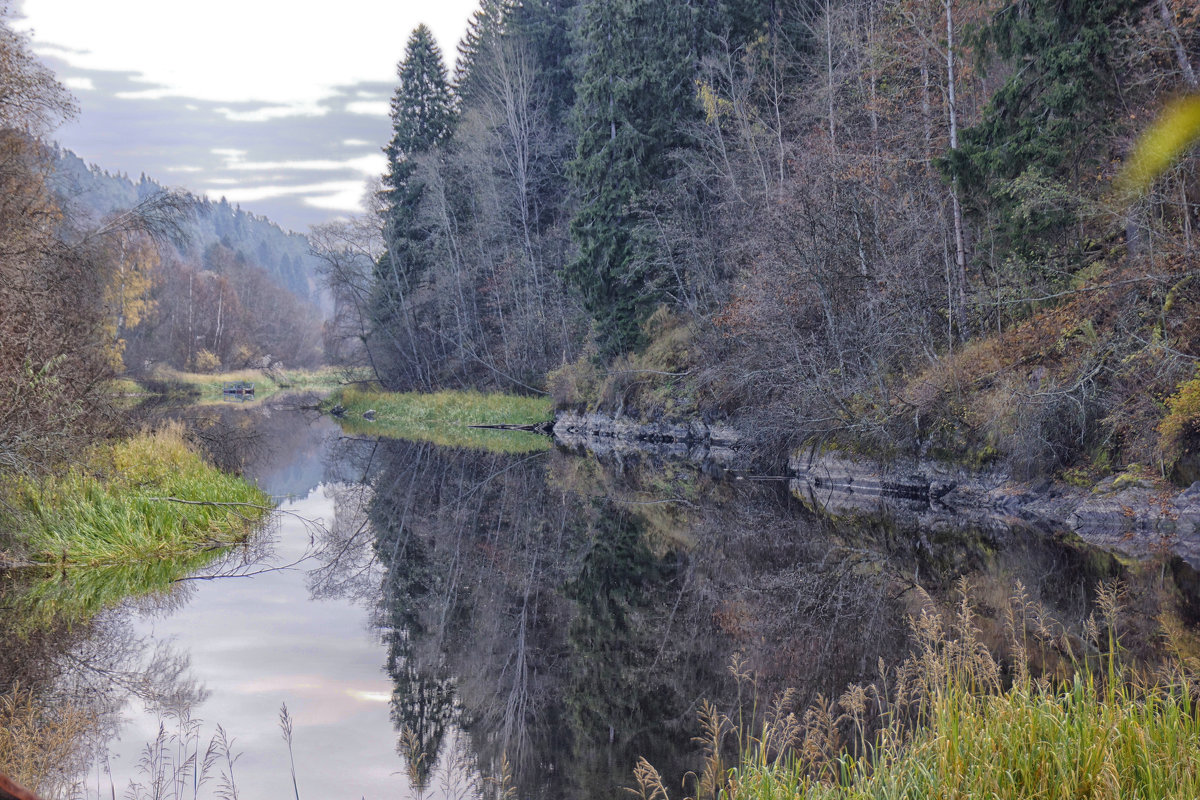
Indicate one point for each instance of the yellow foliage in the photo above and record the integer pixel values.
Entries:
(713, 104)
(1175, 130)
(205, 361)
(127, 298)
(1183, 416)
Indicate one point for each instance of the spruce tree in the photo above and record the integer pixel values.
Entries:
(545, 25)
(422, 118)
(634, 100)
(1046, 125)
(484, 30)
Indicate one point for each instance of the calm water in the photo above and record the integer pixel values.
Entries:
(429, 614)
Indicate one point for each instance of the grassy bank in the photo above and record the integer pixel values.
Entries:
(953, 722)
(208, 386)
(129, 519)
(444, 418)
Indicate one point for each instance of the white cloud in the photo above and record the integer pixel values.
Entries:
(292, 54)
(347, 198)
(185, 168)
(375, 108)
(334, 195)
(372, 164)
(79, 83)
(272, 112)
(145, 94)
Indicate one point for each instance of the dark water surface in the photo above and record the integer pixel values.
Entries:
(430, 615)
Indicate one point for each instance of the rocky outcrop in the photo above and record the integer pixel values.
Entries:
(692, 440)
(1133, 517)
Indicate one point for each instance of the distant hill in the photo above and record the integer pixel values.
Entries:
(283, 255)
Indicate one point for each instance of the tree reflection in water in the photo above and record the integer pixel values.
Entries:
(568, 616)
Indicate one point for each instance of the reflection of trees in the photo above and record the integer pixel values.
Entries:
(570, 616)
(272, 442)
(82, 674)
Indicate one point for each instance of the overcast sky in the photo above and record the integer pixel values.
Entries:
(279, 105)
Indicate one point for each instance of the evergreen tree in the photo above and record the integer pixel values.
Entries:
(545, 25)
(634, 99)
(1048, 122)
(484, 30)
(422, 118)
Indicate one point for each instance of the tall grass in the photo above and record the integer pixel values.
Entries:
(130, 519)
(41, 745)
(443, 418)
(953, 722)
(148, 497)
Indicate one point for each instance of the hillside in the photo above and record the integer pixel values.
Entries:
(284, 255)
(896, 226)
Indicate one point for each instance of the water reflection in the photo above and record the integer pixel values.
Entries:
(460, 614)
(570, 616)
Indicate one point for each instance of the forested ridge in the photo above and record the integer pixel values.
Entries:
(895, 224)
(225, 290)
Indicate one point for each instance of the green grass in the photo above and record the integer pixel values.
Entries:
(113, 525)
(948, 730)
(443, 418)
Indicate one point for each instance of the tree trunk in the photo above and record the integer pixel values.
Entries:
(1185, 65)
(960, 247)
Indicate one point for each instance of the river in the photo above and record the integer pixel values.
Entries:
(441, 621)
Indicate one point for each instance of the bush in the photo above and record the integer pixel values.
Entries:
(205, 361)
(1182, 420)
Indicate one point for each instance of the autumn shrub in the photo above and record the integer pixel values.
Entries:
(205, 361)
(1182, 420)
(575, 384)
(42, 745)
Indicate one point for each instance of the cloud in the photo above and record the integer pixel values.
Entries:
(373, 164)
(376, 108)
(266, 113)
(297, 170)
(79, 83)
(292, 57)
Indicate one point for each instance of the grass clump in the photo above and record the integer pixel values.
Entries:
(131, 519)
(955, 722)
(148, 497)
(444, 418)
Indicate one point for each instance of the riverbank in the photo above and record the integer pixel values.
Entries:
(473, 420)
(198, 387)
(128, 519)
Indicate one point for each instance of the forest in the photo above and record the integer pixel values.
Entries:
(899, 226)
